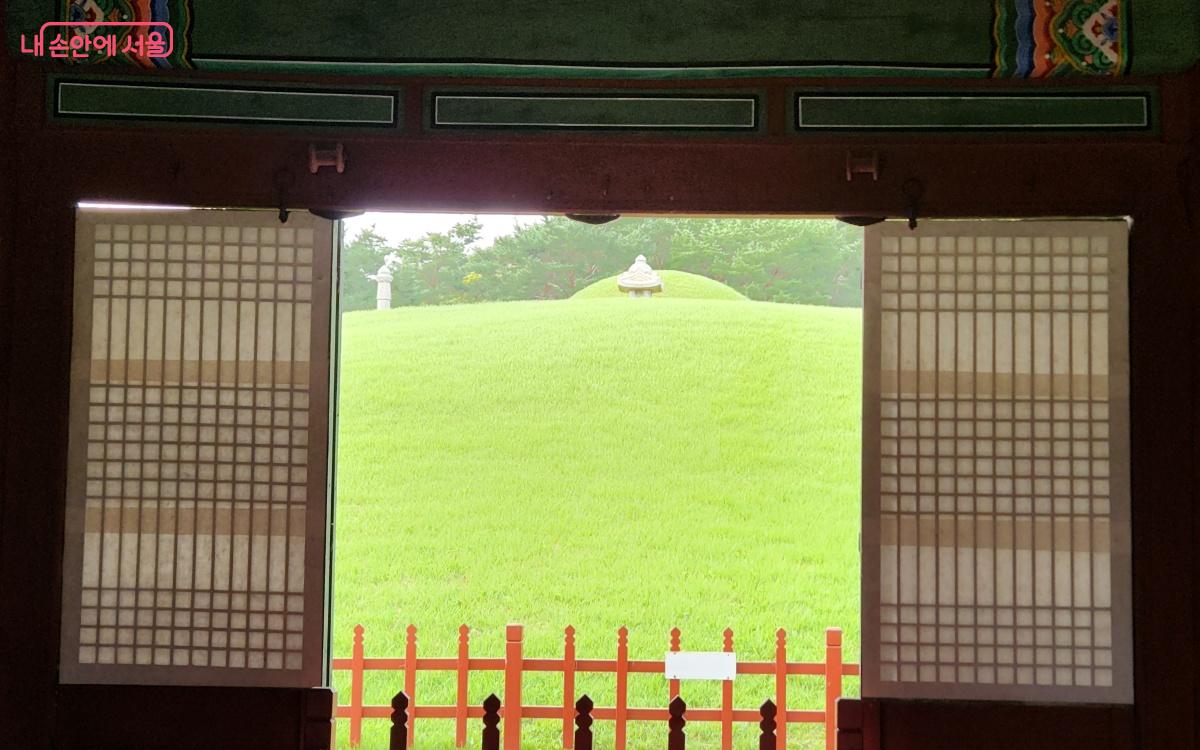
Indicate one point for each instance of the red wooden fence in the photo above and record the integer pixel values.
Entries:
(490, 736)
(514, 665)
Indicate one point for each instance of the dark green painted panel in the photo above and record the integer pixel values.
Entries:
(625, 32)
(504, 70)
(1166, 35)
(625, 38)
(624, 111)
(983, 112)
(187, 102)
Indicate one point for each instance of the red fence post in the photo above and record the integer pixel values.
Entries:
(410, 681)
(399, 736)
(512, 712)
(676, 737)
(727, 700)
(460, 701)
(767, 738)
(833, 684)
(491, 723)
(781, 689)
(622, 687)
(568, 735)
(513, 665)
(673, 685)
(356, 687)
(583, 723)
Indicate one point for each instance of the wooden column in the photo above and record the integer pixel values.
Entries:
(622, 687)
(356, 687)
(781, 689)
(583, 723)
(727, 699)
(833, 684)
(399, 733)
(513, 665)
(460, 702)
(568, 687)
(410, 679)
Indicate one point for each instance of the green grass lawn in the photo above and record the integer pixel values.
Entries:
(598, 463)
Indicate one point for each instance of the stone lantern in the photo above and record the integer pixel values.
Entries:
(640, 280)
(383, 291)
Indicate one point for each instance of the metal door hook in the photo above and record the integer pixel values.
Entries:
(913, 191)
(284, 179)
(856, 164)
(326, 157)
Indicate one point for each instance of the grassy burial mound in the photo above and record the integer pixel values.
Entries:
(598, 463)
(676, 285)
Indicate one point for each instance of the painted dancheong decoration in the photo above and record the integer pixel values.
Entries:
(1046, 38)
(129, 49)
(1001, 38)
(640, 280)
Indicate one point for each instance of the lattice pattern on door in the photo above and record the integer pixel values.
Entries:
(996, 502)
(196, 498)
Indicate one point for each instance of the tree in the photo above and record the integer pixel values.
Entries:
(550, 259)
(816, 262)
(778, 260)
(432, 270)
(781, 260)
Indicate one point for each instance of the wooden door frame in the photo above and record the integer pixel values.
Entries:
(1151, 177)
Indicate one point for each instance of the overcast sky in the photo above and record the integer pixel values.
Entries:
(396, 227)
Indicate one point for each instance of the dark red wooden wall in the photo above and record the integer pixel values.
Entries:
(46, 168)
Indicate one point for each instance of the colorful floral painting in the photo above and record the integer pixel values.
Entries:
(100, 23)
(1044, 38)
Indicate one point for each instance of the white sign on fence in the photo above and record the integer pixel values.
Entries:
(700, 665)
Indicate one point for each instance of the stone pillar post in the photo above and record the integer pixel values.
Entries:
(383, 293)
